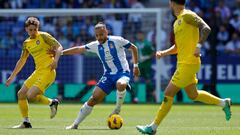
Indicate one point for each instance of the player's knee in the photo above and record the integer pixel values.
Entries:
(192, 96)
(93, 101)
(31, 97)
(169, 93)
(121, 86)
(21, 94)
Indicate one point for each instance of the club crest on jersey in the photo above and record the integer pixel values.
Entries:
(111, 45)
(37, 42)
(179, 22)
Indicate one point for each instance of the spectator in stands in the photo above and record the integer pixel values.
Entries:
(135, 18)
(223, 35)
(233, 46)
(235, 21)
(48, 25)
(194, 7)
(107, 4)
(68, 29)
(152, 36)
(222, 39)
(73, 4)
(223, 9)
(116, 25)
(5, 5)
(121, 4)
(16, 4)
(63, 40)
(59, 4)
(237, 8)
(19, 39)
(8, 43)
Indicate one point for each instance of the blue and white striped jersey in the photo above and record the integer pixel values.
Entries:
(111, 54)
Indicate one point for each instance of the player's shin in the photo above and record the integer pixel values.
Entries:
(119, 101)
(162, 112)
(42, 99)
(23, 106)
(83, 113)
(208, 98)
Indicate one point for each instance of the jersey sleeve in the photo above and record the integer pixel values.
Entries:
(50, 40)
(24, 48)
(124, 42)
(192, 18)
(91, 47)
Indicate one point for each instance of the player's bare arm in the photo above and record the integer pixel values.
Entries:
(56, 45)
(203, 28)
(172, 50)
(21, 62)
(136, 71)
(74, 50)
(69, 51)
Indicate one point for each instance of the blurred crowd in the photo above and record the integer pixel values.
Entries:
(15, 4)
(68, 30)
(223, 16)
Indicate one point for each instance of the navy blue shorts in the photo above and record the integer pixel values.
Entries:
(108, 82)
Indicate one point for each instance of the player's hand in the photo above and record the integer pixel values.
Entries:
(9, 80)
(52, 51)
(197, 52)
(53, 65)
(136, 72)
(159, 54)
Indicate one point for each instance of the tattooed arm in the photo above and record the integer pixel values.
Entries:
(54, 44)
(196, 21)
(204, 29)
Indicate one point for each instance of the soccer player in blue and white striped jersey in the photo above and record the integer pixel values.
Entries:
(110, 50)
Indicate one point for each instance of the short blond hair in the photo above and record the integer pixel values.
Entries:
(32, 21)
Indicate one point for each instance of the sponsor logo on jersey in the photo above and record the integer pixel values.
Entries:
(37, 42)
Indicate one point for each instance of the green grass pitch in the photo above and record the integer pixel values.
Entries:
(182, 120)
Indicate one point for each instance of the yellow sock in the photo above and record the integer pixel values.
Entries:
(42, 99)
(23, 106)
(207, 98)
(164, 109)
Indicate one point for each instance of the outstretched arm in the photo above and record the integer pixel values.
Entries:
(21, 62)
(74, 50)
(136, 71)
(172, 50)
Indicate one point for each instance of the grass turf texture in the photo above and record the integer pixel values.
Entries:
(182, 120)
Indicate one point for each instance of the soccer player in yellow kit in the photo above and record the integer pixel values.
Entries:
(44, 75)
(190, 33)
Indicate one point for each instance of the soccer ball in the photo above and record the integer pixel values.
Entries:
(115, 121)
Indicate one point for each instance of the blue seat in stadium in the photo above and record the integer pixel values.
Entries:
(2, 52)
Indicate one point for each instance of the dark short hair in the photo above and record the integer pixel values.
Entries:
(100, 25)
(32, 21)
(180, 2)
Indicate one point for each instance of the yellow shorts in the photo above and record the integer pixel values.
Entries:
(41, 78)
(185, 75)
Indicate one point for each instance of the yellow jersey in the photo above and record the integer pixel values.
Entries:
(38, 47)
(186, 37)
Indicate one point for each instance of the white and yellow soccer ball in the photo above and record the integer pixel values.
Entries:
(115, 121)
